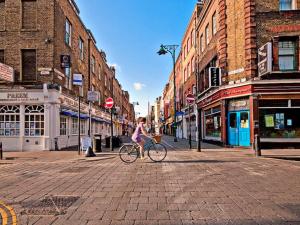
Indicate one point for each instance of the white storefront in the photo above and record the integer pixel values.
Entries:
(186, 123)
(34, 119)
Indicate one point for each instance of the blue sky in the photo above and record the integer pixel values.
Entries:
(130, 32)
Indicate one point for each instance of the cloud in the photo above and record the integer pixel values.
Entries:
(138, 86)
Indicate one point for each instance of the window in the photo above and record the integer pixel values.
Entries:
(286, 5)
(68, 81)
(105, 80)
(93, 64)
(193, 65)
(287, 55)
(9, 120)
(202, 43)
(212, 118)
(184, 74)
(192, 38)
(64, 125)
(1, 56)
(2, 14)
(82, 127)
(81, 49)
(188, 70)
(28, 65)
(214, 23)
(207, 34)
(74, 126)
(29, 14)
(34, 120)
(188, 45)
(99, 73)
(68, 34)
(184, 52)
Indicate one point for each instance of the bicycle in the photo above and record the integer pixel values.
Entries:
(131, 151)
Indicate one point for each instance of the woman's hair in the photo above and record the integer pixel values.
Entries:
(142, 119)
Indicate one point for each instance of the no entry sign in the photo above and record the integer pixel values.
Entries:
(109, 103)
(190, 98)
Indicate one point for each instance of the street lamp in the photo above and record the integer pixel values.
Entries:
(164, 49)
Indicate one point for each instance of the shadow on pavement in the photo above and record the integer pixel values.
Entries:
(197, 161)
(290, 158)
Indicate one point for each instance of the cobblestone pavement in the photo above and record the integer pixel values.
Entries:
(215, 187)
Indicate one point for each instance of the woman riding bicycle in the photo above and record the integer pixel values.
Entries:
(137, 135)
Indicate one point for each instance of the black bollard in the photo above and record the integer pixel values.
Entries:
(89, 152)
(1, 151)
(257, 146)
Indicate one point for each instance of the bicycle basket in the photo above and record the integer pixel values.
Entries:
(157, 138)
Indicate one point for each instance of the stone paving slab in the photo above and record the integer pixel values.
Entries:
(214, 187)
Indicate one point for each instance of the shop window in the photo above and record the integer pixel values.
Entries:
(29, 14)
(286, 4)
(1, 56)
(9, 120)
(82, 127)
(74, 126)
(34, 120)
(68, 33)
(29, 65)
(213, 122)
(280, 123)
(64, 125)
(296, 103)
(287, 55)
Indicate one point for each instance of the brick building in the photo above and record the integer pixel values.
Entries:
(45, 47)
(254, 47)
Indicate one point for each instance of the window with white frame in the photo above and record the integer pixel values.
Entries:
(9, 120)
(34, 120)
(286, 4)
(188, 70)
(287, 55)
(207, 38)
(74, 126)
(82, 127)
(99, 73)
(214, 23)
(81, 48)
(105, 80)
(202, 43)
(68, 33)
(64, 125)
(68, 80)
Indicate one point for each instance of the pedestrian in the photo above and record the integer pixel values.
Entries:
(139, 130)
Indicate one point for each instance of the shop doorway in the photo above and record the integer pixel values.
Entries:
(239, 128)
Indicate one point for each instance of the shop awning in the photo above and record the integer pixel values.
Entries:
(71, 113)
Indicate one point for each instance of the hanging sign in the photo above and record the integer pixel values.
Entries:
(65, 61)
(6, 73)
(77, 79)
(214, 76)
(265, 59)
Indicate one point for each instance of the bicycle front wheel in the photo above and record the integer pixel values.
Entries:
(157, 152)
(128, 153)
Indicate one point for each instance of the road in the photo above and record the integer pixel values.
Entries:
(214, 187)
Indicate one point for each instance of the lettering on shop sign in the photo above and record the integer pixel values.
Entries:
(20, 96)
(74, 104)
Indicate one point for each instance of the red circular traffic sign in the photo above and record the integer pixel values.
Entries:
(190, 98)
(109, 103)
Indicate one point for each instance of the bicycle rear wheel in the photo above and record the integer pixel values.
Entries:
(128, 153)
(157, 152)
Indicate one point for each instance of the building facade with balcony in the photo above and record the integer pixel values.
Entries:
(39, 54)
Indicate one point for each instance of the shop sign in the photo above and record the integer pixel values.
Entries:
(265, 59)
(214, 76)
(236, 105)
(6, 73)
(65, 61)
(19, 97)
(71, 103)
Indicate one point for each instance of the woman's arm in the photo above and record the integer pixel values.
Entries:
(144, 131)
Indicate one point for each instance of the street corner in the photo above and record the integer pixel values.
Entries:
(7, 214)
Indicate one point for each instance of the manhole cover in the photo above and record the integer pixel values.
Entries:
(75, 170)
(50, 205)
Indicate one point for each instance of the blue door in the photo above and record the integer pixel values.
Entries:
(239, 128)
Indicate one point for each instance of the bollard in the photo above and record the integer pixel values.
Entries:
(1, 151)
(257, 146)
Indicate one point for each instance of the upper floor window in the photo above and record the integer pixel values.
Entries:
(81, 48)
(184, 75)
(287, 4)
(68, 38)
(1, 56)
(188, 70)
(193, 65)
(202, 43)
(188, 45)
(100, 71)
(2, 14)
(93, 61)
(207, 34)
(68, 80)
(28, 66)
(287, 55)
(214, 23)
(29, 14)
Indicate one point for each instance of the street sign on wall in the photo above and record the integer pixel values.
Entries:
(93, 96)
(265, 59)
(77, 79)
(65, 61)
(6, 73)
(109, 103)
(214, 76)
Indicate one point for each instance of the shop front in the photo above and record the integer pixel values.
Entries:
(190, 123)
(212, 123)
